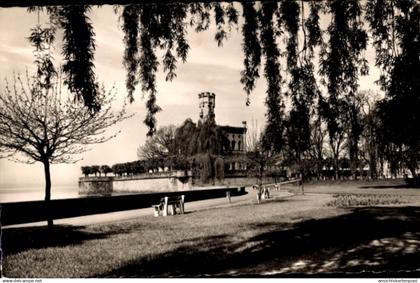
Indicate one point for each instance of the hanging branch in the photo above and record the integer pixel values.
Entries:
(223, 13)
(341, 62)
(219, 17)
(232, 16)
(130, 26)
(200, 16)
(149, 27)
(148, 65)
(180, 29)
(78, 52)
(380, 15)
(273, 139)
(252, 49)
(289, 15)
(167, 18)
(42, 40)
(314, 37)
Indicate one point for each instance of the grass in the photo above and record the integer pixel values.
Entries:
(299, 235)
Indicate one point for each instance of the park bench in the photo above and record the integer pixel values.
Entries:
(175, 202)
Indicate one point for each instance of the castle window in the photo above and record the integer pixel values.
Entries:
(233, 145)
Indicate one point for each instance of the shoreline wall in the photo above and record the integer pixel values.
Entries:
(96, 185)
(163, 182)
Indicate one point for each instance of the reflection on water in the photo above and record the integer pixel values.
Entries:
(36, 193)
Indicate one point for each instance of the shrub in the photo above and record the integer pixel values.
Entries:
(94, 169)
(105, 169)
(86, 170)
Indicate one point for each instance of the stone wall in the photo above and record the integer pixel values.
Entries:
(96, 185)
(159, 183)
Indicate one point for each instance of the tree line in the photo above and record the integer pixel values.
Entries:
(202, 148)
(359, 150)
(316, 68)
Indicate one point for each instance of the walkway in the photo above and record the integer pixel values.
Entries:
(250, 197)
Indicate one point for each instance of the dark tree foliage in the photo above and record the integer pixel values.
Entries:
(41, 40)
(105, 169)
(219, 17)
(354, 130)
(298, 121)
(251, 47)
(289, 16)
(273, 137)
(342, 59)
(186, 138)
(341, 63)
(148, 62)
(312, 24)
(132, 168)
(200, 16)
(302, 87)
(380, 15)
(78, 52)
(396, 36)
(148, 27)
(130, 26)
(211, 139)
(190, 146)
(204, 138)
(223, 13)
(232, 15)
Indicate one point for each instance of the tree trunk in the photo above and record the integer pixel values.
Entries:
(48, 192)
(336, 177)
(372, 166)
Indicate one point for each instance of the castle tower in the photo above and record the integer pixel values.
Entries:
(207, 102)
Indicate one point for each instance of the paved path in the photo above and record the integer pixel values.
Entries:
(250, 197)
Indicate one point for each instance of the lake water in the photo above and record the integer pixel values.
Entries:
(15, 194)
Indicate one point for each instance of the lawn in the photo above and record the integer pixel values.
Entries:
(297, 236)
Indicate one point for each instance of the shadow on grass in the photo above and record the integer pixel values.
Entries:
(15, 240)
(367, 242)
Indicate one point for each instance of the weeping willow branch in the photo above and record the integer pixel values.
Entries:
(78, 51)
(252, 49)
(130, 17)
(273, 137)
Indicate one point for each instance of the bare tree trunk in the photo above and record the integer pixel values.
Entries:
(372, 165)
(336, 177)
(48, 192)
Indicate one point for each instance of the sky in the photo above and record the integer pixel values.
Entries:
(208, 68)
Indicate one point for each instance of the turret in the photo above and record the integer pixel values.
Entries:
(207, 102)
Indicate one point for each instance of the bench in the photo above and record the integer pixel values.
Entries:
(175, 202)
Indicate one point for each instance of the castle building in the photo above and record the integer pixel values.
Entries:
(235, 135)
